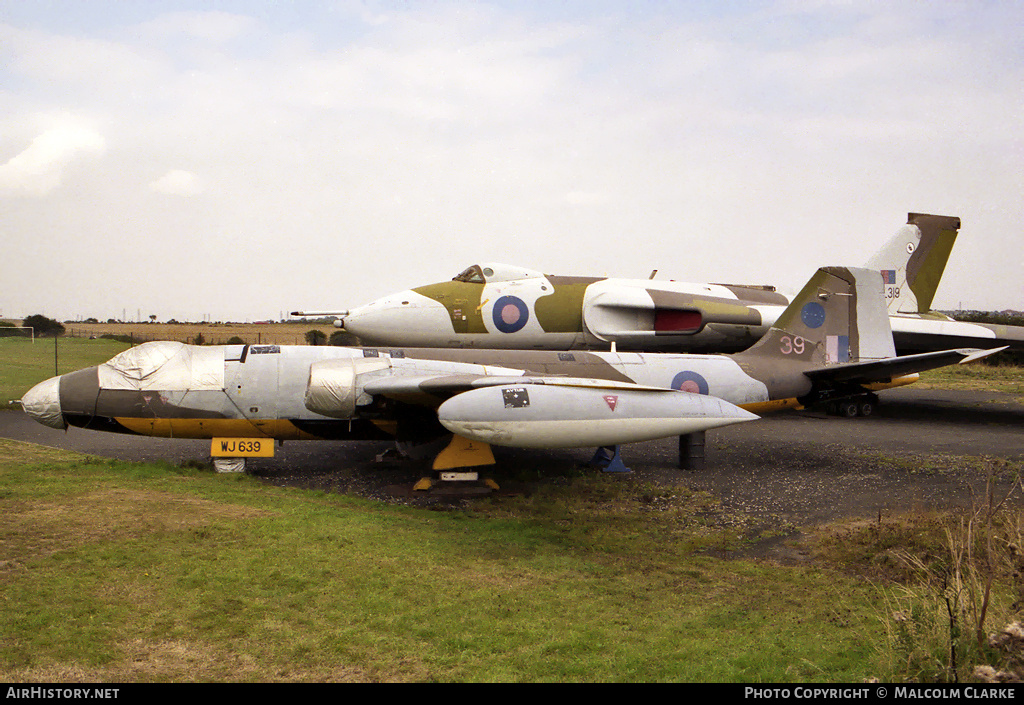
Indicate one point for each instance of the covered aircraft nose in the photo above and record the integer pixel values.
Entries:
(406, 318)
(42, 403)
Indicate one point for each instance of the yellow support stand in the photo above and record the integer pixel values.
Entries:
(463, 453)
(424, 484)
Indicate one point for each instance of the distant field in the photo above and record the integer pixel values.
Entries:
(980, 377)
(213, 333)
(24, 363)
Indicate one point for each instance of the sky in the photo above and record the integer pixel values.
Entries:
(238, 160)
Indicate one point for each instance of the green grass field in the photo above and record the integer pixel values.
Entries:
(993, 378)
(116, 571)
(119, 571)
(24, 363)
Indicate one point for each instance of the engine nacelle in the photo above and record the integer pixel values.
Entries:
(334, 386)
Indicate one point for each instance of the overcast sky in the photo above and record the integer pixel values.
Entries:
(237, 160)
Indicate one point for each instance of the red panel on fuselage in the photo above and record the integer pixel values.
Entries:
(668, 321)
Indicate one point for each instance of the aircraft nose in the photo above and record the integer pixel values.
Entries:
(42, 403)
(406, 318)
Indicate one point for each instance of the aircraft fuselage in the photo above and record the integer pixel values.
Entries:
(268, 391)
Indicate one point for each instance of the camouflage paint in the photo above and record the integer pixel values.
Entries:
(562, 310)
(760, 295)
(914, 259)
(839, 315)
(462, 300)
(799, 340)
(928, 262)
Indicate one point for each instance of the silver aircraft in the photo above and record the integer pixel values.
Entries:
(832, 342)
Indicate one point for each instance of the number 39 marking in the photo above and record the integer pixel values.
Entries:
(793, 345)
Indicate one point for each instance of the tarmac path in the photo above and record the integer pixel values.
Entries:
(922, 449)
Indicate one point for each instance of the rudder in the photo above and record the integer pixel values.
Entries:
(913, 260)
(839, 316)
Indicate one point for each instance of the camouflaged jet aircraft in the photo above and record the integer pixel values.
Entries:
(832, 342)
(507, 307)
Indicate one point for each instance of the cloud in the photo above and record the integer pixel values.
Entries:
(40, 168)
(178, 183)
(583, 198)
(210, 26)
(690, 135)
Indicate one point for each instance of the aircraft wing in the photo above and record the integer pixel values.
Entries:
(446, 386)
(890, 368)
(923, 333)
(559, 412)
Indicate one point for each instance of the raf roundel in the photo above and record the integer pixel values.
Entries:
(812, 314)
(510, 314)
(687, 381)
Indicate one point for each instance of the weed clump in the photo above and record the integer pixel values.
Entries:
(936, 623)
(1008, 644)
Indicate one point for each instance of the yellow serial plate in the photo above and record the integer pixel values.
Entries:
(242, 448)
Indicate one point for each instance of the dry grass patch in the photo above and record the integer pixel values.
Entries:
(212, 333)
(179, 660)
(35, 529)
(25, 453)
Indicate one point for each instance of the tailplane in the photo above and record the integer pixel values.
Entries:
(836, 333)
(838, 317)
(913, 260)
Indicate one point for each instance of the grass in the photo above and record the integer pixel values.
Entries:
(290, 333)
(136, 572)
(115, 571)
(951, 589)
(975, 377)
(24, 363)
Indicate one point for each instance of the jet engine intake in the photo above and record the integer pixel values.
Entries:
(334, 387)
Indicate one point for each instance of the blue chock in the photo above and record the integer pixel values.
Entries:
(609, 460)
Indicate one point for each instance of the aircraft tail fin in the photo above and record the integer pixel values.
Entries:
(838, 317)
(913, 260)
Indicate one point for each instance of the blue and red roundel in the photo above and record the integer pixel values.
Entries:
(510, 314)
(687, 381)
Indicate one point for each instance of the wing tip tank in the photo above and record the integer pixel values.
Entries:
(541, 416)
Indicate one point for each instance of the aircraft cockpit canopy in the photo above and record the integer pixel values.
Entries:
(484, 273)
